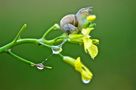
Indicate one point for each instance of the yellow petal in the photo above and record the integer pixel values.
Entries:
(78, 64)
(86, 31)
(87, 43)
(84, 71)
(93, 51)
(86, 75)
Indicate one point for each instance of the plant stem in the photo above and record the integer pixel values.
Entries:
(20, 58)
(20, 31)
(42, 41)
(20, 41)
(32, 41)
(54, 27)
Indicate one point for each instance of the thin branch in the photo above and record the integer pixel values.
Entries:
(20, 58)
(20, 31)
(54, 27)
(18, 42)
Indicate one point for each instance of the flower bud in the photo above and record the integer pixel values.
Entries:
(91, 18)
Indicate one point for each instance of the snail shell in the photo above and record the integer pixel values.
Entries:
(69, 23)
(72, 23)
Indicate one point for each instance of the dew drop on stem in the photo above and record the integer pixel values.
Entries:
(40, 66)
(56, 49)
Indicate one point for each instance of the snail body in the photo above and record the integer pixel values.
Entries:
(72, 23)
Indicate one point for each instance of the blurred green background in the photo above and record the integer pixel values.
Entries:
(114, 67)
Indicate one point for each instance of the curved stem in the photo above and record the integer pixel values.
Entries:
(54, 27)
(42, 41)
(20, 58)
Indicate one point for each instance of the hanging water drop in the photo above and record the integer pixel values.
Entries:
(56, 49)
(40, 66)
(85, 81)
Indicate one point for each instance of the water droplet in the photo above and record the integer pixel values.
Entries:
(85, 81)
(40, 66)
(56, 49)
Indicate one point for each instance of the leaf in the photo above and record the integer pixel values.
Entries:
(93, 51)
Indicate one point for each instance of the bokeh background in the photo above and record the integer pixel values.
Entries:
(114, 68)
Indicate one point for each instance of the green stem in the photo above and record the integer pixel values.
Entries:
(32, 41)
(18, 42)
(54, 27)
(55, 40)
(20, 58)
(60, 55)
(20, 31)
(42, 41)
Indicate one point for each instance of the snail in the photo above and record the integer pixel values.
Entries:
(73, 23)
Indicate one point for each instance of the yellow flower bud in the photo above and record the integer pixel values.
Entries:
(91, 18)
(86, 74)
